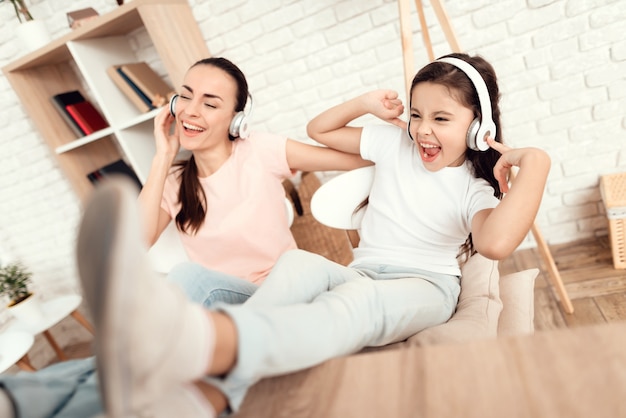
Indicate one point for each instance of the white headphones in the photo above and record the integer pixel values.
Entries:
(478, 130)
(239, 126)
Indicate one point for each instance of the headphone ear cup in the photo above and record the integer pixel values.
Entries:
(236, 124)
(244, 128)
(472, 131)
(173, 105)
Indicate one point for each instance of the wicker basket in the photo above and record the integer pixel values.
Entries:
(613, 189)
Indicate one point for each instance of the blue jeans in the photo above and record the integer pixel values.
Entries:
(311, 309)
(207, 287)
(67, 389)
(70, 389)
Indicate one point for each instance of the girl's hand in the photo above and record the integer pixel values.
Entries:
(503, 165)
(511, 157)
(166, 143)
(385, 105)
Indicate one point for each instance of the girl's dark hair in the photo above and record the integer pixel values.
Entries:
(463, 90)
(191, 195)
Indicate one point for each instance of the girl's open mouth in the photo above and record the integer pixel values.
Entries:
(429, 152)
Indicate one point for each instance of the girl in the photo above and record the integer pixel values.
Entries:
(431, 195)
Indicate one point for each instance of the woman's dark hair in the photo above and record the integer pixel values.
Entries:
(463, 90)
(191, 195)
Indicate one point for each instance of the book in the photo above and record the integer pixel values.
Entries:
(86, 116)
(63, 99)
(130, 90)
(118, 167)
(78, 18)
(148, 81)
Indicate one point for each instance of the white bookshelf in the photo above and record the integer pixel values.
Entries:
(79, 60)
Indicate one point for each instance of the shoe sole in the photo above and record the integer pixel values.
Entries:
(100, 264)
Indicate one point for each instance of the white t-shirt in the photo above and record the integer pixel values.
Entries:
(416, 218)
(246, 227)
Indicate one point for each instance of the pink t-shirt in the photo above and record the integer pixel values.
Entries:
(246, 227)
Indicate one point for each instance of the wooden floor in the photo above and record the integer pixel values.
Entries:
(596, 289)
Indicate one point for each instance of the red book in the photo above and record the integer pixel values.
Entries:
(87, 117)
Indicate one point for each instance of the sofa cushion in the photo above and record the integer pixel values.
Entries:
(477, 313)
(517, 294)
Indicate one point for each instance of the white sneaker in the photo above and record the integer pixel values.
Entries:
(149, 337)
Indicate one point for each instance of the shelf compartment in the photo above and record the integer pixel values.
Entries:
(81, 161)
(84, 140)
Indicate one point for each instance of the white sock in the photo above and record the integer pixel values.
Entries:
(6, 406)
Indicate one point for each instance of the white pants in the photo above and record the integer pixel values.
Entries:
(310, 309)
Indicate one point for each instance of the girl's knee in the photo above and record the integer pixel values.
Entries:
(298, 258)
(184, 272)
(298, 263)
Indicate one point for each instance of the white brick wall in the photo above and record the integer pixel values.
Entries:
(561, 65)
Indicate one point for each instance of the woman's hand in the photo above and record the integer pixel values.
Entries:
(385, 105)
(166, 144)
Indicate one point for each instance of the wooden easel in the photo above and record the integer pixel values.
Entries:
(409, 72)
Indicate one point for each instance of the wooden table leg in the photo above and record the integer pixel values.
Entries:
(83, 321)
(60, 354)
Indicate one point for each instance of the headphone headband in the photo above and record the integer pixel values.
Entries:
(487, 126)
(250, 106)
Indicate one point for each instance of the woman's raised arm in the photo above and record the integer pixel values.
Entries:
(155, 219)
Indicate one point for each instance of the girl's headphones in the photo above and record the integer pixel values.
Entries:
(478, 130)
(239, 126)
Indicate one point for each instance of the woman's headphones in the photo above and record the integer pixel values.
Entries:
(478, 130)
(239, 126)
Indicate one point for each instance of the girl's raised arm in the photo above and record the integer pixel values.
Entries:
(496, 233)
(331, 128)
(306, 157)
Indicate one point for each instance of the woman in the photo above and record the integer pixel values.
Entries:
(227, 201)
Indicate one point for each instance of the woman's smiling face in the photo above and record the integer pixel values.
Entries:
(438, 125)
(205, 107)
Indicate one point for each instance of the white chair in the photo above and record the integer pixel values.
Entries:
(489, 305)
